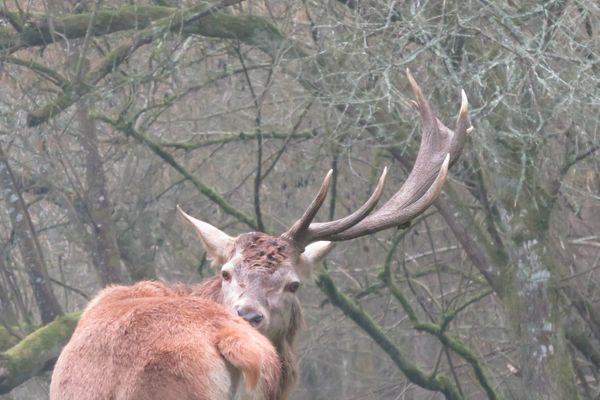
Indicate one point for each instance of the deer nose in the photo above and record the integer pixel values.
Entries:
(250, 315)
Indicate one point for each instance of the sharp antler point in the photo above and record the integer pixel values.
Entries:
(411, 79)
(383, 174)
(464, 103)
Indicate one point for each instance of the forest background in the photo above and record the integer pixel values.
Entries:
(113, 112)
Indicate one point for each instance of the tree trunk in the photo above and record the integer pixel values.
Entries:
(545, 365)
(28, 244)
(98, 209)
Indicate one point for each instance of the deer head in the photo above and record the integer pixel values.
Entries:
(260, 274)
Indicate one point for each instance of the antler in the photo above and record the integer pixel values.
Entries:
(440, 147)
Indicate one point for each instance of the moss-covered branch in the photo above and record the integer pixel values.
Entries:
(229, 137)
(457, 346)
(352, 310)
(128, 129)
(40, 31)
(35, 352)
(439, 331)
(252, 30)
(209, 21)
(41, 70)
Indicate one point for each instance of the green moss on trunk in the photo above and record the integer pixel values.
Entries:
(35, 352)
(100, 23)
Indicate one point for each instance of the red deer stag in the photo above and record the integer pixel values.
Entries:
(151, 341)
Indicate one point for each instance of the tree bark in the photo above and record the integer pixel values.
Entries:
(98, 209)
(545, 364)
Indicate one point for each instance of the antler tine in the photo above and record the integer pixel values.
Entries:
(462, 128)
(315, 231)
(300, 226)
(427, 114)
(440, 147)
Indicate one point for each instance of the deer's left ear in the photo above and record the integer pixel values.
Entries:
(313, 253)
(218, 244)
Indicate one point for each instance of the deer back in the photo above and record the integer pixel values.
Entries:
(149, 341)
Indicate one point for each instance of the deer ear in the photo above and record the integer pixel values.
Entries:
(313, 253)
(218, 244)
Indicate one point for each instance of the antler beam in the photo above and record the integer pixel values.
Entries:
(440, 147)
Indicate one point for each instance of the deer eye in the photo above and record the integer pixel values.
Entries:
(292, 287)
(226, 275)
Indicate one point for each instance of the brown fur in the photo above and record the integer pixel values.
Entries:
(260, 251)
(211, 289)
(150, 341)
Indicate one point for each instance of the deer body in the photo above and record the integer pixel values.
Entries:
(149, 341)
(154, 342)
